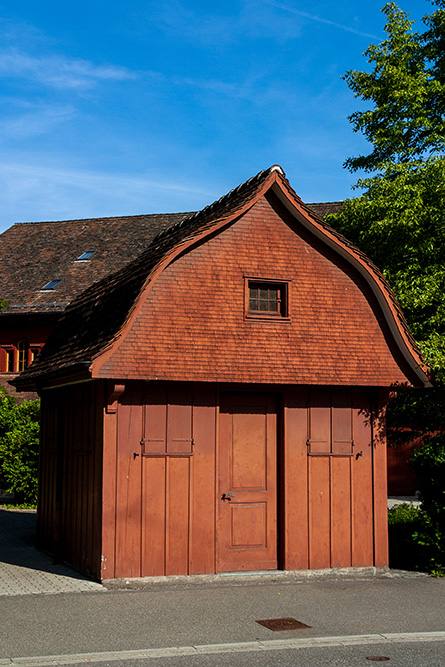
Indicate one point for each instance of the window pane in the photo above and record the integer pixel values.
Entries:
(22, 350)
(10, 361)
(267, 297)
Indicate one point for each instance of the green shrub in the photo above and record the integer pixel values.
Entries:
(19, 447)
(405, 521)
(429, 465)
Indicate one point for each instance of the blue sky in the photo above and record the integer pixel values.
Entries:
(118, 108)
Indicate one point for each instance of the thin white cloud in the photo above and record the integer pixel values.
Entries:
(318, 19)
(212, 28)
(33, 192)
(34, 121)
(59, 71)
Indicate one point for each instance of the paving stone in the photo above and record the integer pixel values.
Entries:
(26, 571)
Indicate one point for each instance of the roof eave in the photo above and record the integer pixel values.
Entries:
(69, 374)
(316, 227)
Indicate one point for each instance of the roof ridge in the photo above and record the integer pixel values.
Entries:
(219, 203)
(99, 219)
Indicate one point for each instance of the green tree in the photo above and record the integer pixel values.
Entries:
(406, 89)
(19, 446)
(399, 219)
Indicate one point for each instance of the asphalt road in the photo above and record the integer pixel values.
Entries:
(395, 655)
(116, 622)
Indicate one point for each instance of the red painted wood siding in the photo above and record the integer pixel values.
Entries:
(332, 518)
(159, 515)
(160, 511)
(192, 324)
(69, 506)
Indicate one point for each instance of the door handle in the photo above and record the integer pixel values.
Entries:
(227, 496)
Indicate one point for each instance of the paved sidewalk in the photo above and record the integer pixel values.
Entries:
(23, 569)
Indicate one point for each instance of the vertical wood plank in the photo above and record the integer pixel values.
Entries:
(380, 484)
(109, 493)
(202, 515)
(320, 421)
(179, 422)
(319, 512)
(340, 511)
(362, 492)
(341, 421)
(97, 491)
(294, 527)
(153, 516)
(128, 485)
(155, 419)
(178, 484)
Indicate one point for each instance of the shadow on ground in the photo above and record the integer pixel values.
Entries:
(24, 569)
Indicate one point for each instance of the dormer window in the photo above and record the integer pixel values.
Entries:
(51, 285)
(267, 299)
(85, 256)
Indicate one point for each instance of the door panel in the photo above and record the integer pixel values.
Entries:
(247, 493)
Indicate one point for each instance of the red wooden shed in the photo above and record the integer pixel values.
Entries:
(218, 404)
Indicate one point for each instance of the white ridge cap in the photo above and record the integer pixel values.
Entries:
(276, 167)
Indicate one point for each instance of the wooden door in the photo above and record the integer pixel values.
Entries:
(247, 488)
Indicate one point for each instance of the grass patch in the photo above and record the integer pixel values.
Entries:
(18, 506)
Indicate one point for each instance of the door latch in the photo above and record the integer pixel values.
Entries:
(227, 496)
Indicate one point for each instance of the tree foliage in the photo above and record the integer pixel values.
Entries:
(406, 89)
(19, 446)
(399, 219)
(429, 464)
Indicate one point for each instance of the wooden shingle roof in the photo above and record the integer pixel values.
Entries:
(97, 317)
(32, 254)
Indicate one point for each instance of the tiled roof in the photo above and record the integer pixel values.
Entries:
(94, 319)
(326, 208)
(34, 253)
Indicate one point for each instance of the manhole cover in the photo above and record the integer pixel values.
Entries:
(377, 658)
(277, 624)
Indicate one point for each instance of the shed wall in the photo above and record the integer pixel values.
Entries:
(70, 475)
(163, 506)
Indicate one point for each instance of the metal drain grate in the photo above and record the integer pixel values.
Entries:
(377, 658)
(278, 624)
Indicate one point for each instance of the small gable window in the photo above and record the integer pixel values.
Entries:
(51, 285)
(85, 256)
(267, 299)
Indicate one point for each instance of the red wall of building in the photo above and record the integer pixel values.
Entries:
(70, 474)
(160, 510)
(192, 324)
(32, 331)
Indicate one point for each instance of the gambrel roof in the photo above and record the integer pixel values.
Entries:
(96, 319)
